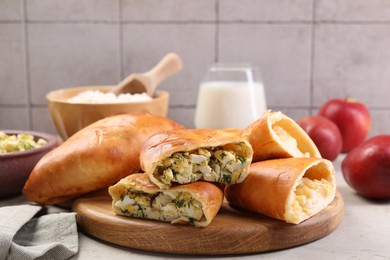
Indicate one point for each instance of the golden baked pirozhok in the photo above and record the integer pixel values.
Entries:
(94, 158)
(274, 135)
(291, 189)
(188, 155)
(195, 203)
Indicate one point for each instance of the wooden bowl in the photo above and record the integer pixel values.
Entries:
(15, 167)
(69, 118)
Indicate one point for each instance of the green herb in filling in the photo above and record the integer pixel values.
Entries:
(180, 203)
(241, 159)
(226, 178)
(191, 221)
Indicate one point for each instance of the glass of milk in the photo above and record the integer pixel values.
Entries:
(230, 96)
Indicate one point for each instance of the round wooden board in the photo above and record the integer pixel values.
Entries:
(233, 231)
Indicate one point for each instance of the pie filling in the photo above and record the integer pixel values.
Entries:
(170, 206)
(216, 164)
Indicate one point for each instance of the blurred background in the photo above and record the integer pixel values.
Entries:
(308, 51)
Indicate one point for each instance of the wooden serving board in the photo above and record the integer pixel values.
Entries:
(233, 231)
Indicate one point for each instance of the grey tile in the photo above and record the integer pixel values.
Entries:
(352, 60)
(11, 10)
(281, 51)
(186, 115)
(293, 113)
(66, 55)
(352, 10)
(145, 44)
(380, 122)
(13, 86)
(41, 120)
(183, 115)
(265, 10)
(72, 10)
(14, 118)
(169, 10)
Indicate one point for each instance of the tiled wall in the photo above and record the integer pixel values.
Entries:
(308, 50)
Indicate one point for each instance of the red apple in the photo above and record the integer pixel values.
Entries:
(366, 168)
(351, 117)
(324, 133)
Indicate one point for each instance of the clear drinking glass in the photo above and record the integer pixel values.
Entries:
(230, 96)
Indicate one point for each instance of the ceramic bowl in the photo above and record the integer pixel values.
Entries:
(15, 167)
(69, 118)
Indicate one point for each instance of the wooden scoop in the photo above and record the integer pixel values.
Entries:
(148, 81)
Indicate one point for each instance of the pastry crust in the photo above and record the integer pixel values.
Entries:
(138, 187)
(290, 189)
(275, 135)
(166, 150)
(93, 158)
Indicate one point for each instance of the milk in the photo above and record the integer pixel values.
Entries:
(224, 104)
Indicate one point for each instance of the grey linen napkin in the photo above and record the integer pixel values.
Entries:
(23, 236)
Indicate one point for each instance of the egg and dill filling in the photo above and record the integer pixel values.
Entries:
(197, 203)
(19, 142)
(189, 155)
(165, 206)
(215, 164)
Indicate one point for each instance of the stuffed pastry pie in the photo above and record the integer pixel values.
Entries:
(275, 136)
(290, 189)
(194, 203)
(93, 158)
(188, 155)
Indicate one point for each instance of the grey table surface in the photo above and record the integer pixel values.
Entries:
(364, 233)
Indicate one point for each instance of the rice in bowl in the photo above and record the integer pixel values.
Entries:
(99, 97)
